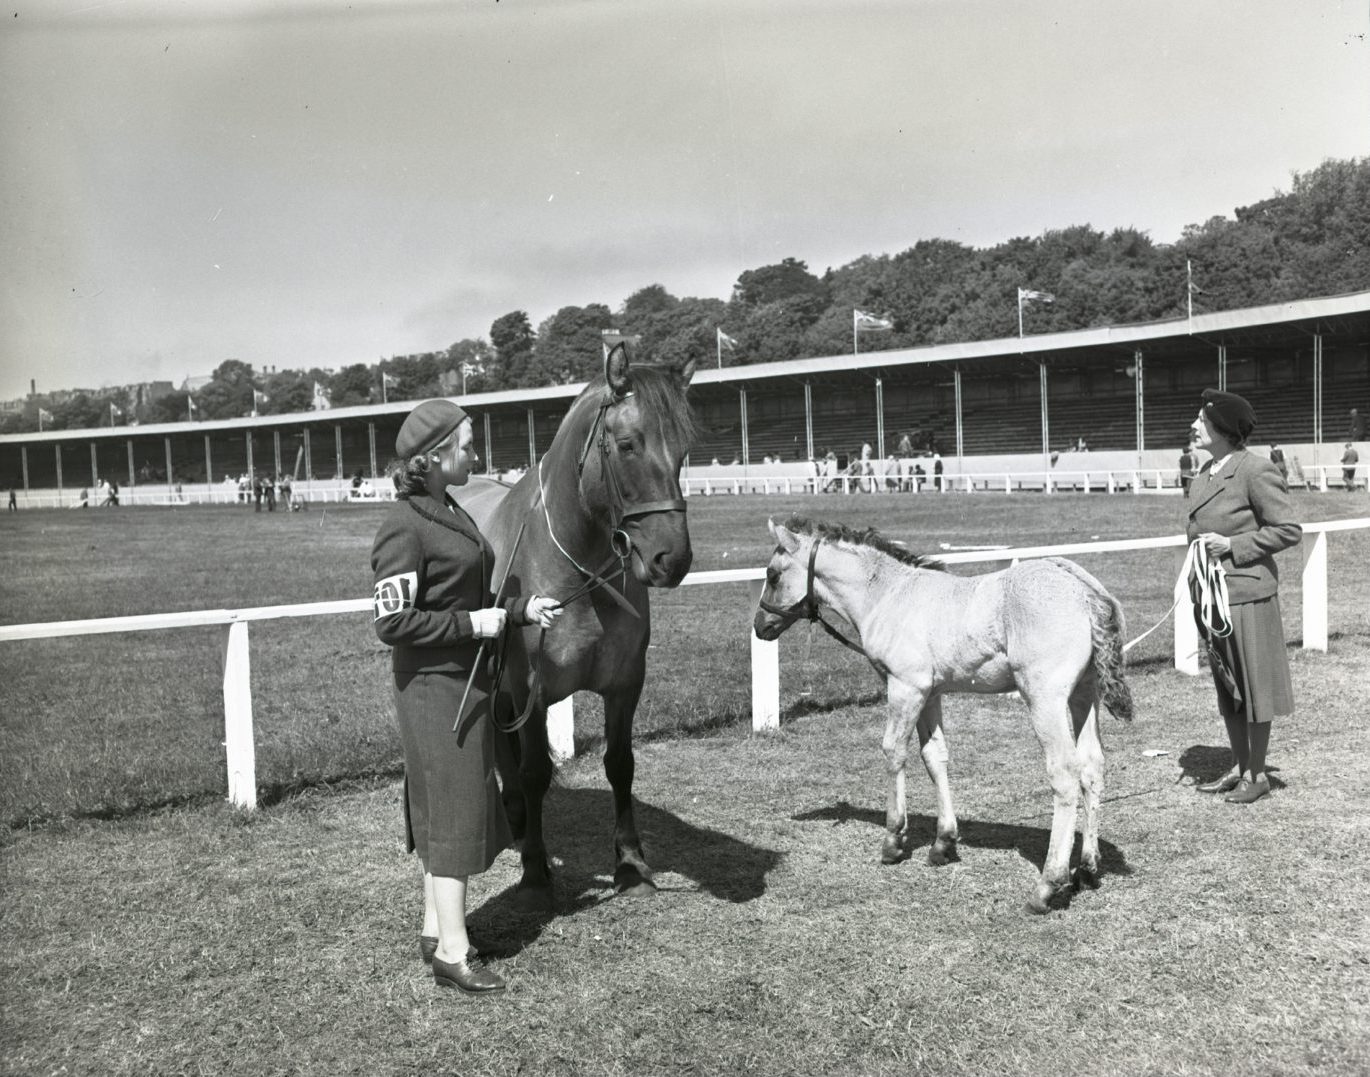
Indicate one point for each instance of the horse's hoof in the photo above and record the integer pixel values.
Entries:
(1047, 897)
(892, 849)
(632, 881)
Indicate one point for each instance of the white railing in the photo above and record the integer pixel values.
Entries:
(1100, 480)
(238, 732)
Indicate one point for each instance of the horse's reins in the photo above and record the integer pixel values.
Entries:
(620, 546)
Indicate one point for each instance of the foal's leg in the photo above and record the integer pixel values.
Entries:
(905, 703)
(632, 875)
(1084, 716)
(933, 746)
(1049, 710)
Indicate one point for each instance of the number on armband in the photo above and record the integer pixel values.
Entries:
(395, 593)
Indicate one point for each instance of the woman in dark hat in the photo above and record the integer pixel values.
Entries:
(1242, 514)
(433, 606)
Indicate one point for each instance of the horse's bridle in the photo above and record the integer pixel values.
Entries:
(619, 541)
(807, 607)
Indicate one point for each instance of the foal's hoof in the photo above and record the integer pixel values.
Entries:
(1045, 898)
(1088, 876)
(892, 849)
(943, 853)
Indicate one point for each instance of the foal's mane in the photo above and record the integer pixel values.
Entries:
(660, 395)
(868, 537)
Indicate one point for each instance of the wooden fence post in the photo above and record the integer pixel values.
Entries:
(765, 673)
(1315, 590)
(240, 752)
(561, 730)
(1186, 631)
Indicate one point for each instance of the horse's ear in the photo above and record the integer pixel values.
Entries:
(687, 371)
(786, 539)
(616, 369)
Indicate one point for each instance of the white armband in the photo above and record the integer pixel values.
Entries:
(395, 593)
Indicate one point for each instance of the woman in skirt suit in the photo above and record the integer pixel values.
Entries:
(1241, 512)
(433, 606)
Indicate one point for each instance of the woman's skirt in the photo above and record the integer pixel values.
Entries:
(1251, 666)
(453, 815)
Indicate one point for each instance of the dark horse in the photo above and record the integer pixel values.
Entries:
(604, 504)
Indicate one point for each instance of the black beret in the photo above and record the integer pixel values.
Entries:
(428, 425)
(1229, 413)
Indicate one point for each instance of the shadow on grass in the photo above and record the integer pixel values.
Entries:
(717, 863)
(1029, 842)
(1201, 763)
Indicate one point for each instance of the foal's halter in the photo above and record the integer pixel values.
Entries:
(807, 607)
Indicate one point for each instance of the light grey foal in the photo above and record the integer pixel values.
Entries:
(1046, 628)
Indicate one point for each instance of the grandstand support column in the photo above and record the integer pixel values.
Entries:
(1222, 368)
(880, 418)
(532, 440)
(209, 464)
(276, 450)
(58, 450)
(742, 404)
(1046, 425)
(308, 458)
(251, 464)
(1139, 391)
(24, 465)
(94, 466)
(131, 474)
(808, 417)
(371, 443)
(960, 430)
(489, 449)
(337, 445)
(1317, 403)
(166, 446)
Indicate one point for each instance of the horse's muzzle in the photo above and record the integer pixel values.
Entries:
(767, 626)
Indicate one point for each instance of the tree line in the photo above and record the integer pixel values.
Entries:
(1311, 240)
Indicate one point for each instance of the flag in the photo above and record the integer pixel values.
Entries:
(467, 369)
(871, 322)
(725, 341)
(191, 406)
(388, 379)
(44, 416)
(115, 411)
(259, 397)
(320, 401)
(1041, 297)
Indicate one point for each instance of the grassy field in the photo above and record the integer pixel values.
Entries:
(148, 928)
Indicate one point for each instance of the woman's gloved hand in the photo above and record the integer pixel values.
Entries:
(542, 611)
(487, 624)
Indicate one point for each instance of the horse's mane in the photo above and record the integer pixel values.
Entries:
(660, 394)
(868, 537)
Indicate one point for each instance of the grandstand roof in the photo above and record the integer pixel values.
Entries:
(1340, 316)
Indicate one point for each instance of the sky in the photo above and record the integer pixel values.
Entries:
(301, 183)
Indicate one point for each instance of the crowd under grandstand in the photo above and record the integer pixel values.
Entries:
(1021, 407)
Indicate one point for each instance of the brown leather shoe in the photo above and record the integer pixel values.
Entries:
(465, 977)
(1225, 784)
(428, 946)
(1249, 792)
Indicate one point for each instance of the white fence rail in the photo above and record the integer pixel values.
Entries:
(238, 732)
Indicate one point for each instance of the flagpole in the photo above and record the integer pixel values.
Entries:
(853, 331)
(1020, 314)
(718, 345)
(1189, 288)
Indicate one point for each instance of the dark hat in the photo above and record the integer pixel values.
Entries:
(1229, 413)
(428, 425)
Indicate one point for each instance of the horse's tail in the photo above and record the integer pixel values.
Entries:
(1107, 629)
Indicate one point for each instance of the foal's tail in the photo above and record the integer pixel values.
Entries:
(1107, 631)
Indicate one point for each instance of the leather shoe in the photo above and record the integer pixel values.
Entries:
(463, 976)
(1225, 784)
(1249, 792)
(428, 946)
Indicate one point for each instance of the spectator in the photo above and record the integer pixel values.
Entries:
(1187, 465)
(286, 493)
(1349, 459)
(937, 480)
(1355, 429)
(1277, 458)
(1081, 445)
(905, 447)
(269, 492)
(14, 501)
(257, 491)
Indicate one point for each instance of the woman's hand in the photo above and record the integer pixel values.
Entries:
(542, 611)
(1216, 545)
(487, 624)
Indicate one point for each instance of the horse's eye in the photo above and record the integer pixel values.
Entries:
(625, 447)
(772, 577)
